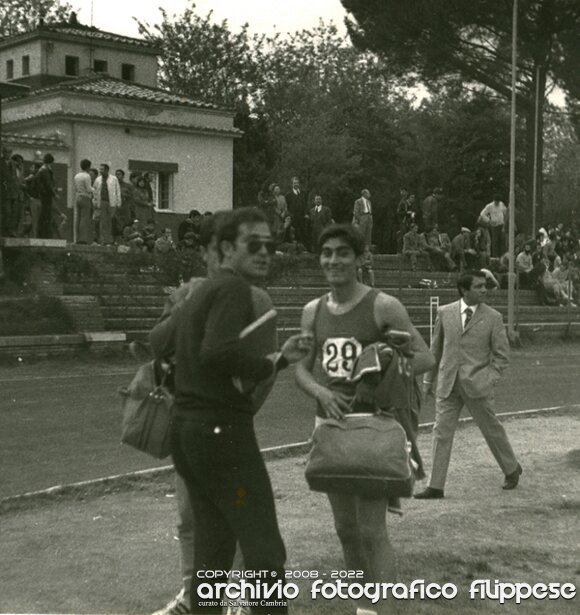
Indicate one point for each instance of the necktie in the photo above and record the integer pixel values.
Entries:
(468, 315)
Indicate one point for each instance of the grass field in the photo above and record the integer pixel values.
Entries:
(115, 552)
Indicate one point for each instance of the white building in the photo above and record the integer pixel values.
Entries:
(93, 94)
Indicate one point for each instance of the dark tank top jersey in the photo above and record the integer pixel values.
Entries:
(339, 341)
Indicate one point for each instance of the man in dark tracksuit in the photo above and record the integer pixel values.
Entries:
(214, 444)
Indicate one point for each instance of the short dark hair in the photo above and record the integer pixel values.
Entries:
(17, 158)
(351, 235)
(465, 280)
(229, 226)
(85, 164)
(209, 226)
(104, 164)
(194, 213)
(120, 171)
(48, 159)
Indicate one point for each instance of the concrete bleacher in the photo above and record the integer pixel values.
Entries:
(131, 300)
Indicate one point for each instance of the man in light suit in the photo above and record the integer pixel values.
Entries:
(471, 351)
(362, 216)
(106, 202)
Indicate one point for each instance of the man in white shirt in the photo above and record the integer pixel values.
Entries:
(362, 216)
(495, 215)
(83, 221)
(471, 351)
(106, 201)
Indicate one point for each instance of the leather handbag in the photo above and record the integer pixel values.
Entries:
(147, 411)
(363, 454)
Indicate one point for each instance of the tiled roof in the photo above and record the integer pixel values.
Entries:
(94, 34)
(15, 138)
(103, 85)
(226, 132)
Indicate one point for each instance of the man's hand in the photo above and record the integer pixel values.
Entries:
(334, 404)
(296, 347)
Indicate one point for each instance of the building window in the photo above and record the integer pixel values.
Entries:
(160, 176)
(9, 69)
(128, 72)
(25, 66)
(100, 66)
(71, 66)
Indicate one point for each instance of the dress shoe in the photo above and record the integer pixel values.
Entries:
(430, 494)
(512, 480)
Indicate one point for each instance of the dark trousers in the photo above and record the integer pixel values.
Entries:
(11, 212)
(46, 229)
(232, 500)
(497, 241)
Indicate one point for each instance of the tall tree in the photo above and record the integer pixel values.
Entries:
(206, 60)
(469, 41)
(17, 16)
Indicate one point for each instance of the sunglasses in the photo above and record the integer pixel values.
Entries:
(255, 245)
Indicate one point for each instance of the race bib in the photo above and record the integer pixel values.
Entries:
(339, 355)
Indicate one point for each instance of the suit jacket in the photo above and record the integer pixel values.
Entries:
(296, 206)
(477, 355)
(319, 221)
(359, 209)
(114, 191)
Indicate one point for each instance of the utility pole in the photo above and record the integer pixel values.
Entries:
(512, 335)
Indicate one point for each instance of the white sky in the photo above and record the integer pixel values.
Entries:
(264, 16)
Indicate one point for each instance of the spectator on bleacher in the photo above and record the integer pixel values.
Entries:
(430, 208)
(551, 247)
(191, 224)
(525, 267)
(164, 243)
(481, 243)
(144, 209)
(149, 234)
(554, 292)
(106, 200)
(414, 245)
(462, 251)
(320, 218)
(281, 209)
(44, 181)
(189, 243)
(84, 204)
(267, 204)
(496, 215)
(132, 236)
(365, 273)
(542, 237)
(149, 186)
(31, 190)
(14, 204)
(438, 246)
(126, 212)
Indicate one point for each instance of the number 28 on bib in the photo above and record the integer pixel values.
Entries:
(339, 355)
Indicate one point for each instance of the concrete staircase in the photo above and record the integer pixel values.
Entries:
(131, 301)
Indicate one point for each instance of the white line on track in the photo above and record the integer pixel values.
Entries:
(268, 452)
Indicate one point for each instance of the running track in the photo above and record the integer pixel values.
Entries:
(59, 422)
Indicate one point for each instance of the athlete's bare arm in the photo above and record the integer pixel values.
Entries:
(391, 314)
(333, 403)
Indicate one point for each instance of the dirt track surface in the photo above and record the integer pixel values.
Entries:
(116, 553)
(60, 420)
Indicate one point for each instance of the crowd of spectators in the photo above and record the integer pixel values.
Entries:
(548, 263)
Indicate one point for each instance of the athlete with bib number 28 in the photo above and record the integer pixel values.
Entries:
(343, 322)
